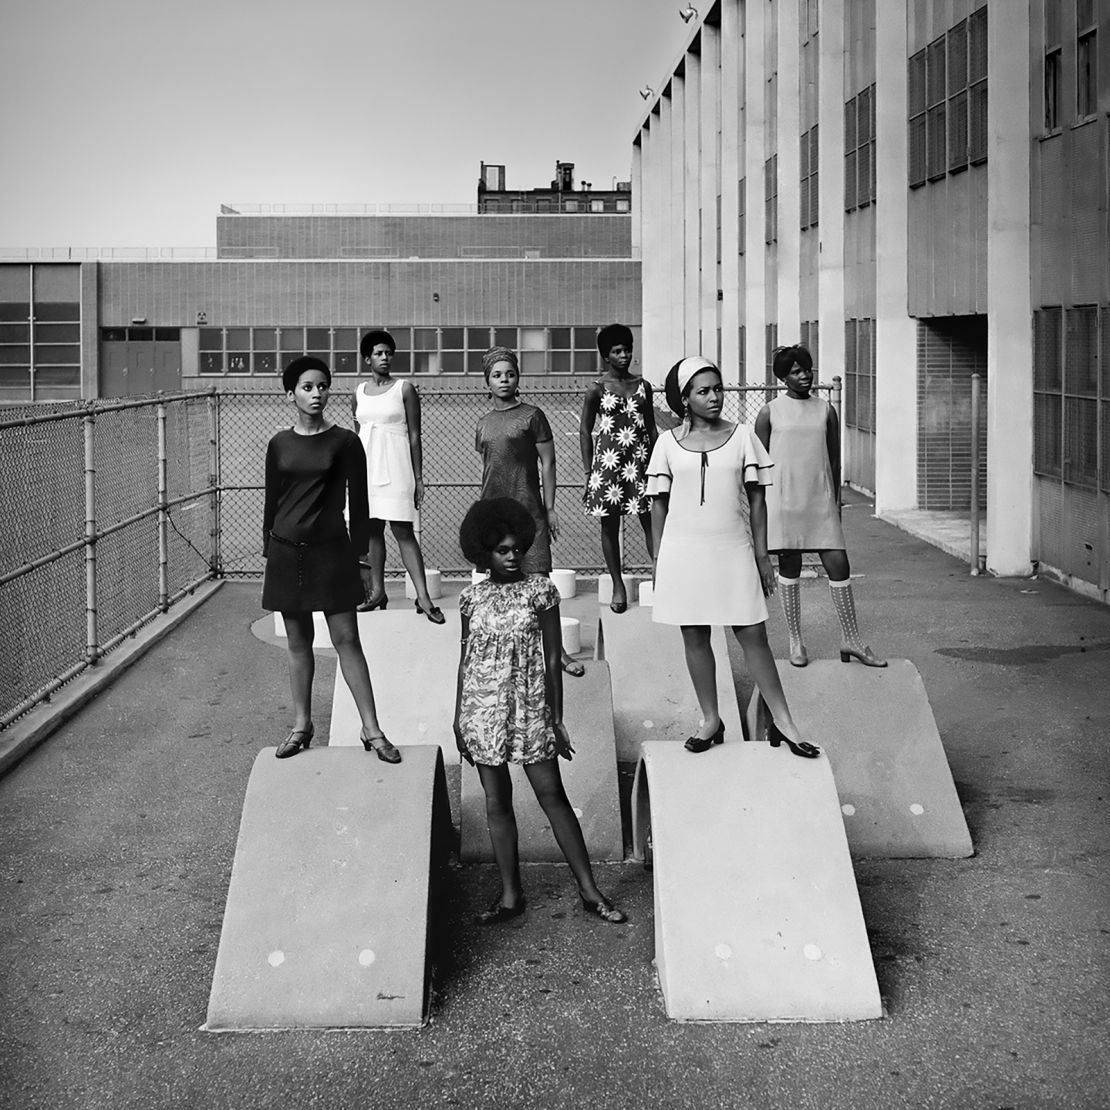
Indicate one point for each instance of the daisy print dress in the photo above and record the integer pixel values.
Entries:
(617, 484)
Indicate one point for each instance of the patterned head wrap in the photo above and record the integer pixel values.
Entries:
(498, 354)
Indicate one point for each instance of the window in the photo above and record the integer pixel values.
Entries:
(1053, 50)
(917, 121)
(1086, 59)
(859, 150)
(1081, 396)
(809, 341)
(808, 152)
(623, 206)
(977, 86)
(771, 199)
(956, 64)
(770, 345)
(859, 374)
(1047, 387)
(935, 87)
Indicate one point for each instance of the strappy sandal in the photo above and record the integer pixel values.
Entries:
(605, 910)
(572, 667)
(497, 913)
(297, 739)
(381, 746)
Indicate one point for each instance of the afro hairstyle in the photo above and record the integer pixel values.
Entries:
(487, 523)
(610, 336)
(372, 338)
(292, 373)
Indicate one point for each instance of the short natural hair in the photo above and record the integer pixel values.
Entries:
(372, 338)
(292, 373)
(488, 522)
(783, 359)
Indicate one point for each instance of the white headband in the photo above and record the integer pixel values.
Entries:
(688, 367)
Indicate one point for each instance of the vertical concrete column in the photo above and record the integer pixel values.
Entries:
(676, 220)
(691, 260)
(731, 172)
(710, 167)
(830, 199)
(788, 271)
(895, 340)
(1009, 295)
(637, 194)
(755, 148)
(654, 178)
(89, 275)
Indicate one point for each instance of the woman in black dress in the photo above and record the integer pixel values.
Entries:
(312, 469)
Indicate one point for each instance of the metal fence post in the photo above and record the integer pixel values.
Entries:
(92, 634)
(214, 481)
(163, 515)
(974, 551)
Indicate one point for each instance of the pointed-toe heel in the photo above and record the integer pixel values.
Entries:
(381, 746)
(297, 739)
(799, 747)
(867, 657)
(698, 744)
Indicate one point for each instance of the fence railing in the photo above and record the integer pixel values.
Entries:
(121, 508)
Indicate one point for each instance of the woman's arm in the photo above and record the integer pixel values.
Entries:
(416, 448)
(354, 406)
(459, 742)
(757, 499)
(552, 631)
(832, 443)
(763, 427)
(660, 503)
(586, 426)
(546, 452)
(269, 510)
(649, 416)
(358, 498)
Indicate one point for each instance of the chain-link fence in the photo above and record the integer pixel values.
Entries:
(112, 519)
(121, 508)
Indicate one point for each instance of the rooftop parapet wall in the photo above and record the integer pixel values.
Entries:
(406, 237)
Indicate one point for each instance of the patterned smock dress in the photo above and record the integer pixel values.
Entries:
(617, 485)
(503, 712)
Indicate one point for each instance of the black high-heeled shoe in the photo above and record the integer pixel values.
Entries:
(605, 910)
(297, 739)
(372, 603)
(498, 913)
(800, 747)
(383, 749)
(434, 613)
(699, 744)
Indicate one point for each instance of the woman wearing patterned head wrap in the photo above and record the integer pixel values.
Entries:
(621, 407)
(518, 457)
(706, 571)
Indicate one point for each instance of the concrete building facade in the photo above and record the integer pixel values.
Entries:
(917, 189)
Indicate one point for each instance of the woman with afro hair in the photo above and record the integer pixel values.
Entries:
(509, 698)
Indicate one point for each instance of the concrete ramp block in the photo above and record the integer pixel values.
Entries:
(653, 698)
(327, 916)
(413, 664)
(757, 916)
(878, 730)
(590, 780)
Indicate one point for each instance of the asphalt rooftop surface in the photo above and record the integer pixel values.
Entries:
(119, 833)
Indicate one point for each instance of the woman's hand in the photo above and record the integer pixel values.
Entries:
(461, 744)
(553, 523)
(563, 746)
(767, 577)
(418, 495)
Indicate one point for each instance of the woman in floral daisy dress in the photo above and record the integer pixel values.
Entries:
(620, 406)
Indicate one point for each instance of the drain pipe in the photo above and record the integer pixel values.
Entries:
(977, 566)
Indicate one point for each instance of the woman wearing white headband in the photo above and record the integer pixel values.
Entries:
(706, 571)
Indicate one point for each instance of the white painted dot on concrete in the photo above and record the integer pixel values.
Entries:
(723, 952)
(649, 724)
(917, 809)
(811, 952)
(366, 957)
(422, 727)
(275, 959)
(848, 809)
(577, 813)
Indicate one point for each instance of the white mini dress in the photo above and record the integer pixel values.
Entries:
(384, 431)
(705, 572)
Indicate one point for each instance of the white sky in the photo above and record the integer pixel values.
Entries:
(128, 122)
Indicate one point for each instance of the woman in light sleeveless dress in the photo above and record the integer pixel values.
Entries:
(802, 435)
(388, 414)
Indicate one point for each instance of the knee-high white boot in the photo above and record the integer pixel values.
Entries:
(852, 646)
(790, 593)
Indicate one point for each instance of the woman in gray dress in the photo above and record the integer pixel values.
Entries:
(518, 461)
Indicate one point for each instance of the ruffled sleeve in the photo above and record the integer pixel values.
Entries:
(546, 595)
(757, 463)
(659, 466)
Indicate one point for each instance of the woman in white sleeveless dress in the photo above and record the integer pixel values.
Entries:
(388, 414)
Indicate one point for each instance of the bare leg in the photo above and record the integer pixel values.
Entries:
(611, 552)
(344, 637)
(299, 634)
(376, 557)
(645, 524)
(413, 559)
(547, 784)
(761, 666)
(501, 820)
(703, 673)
